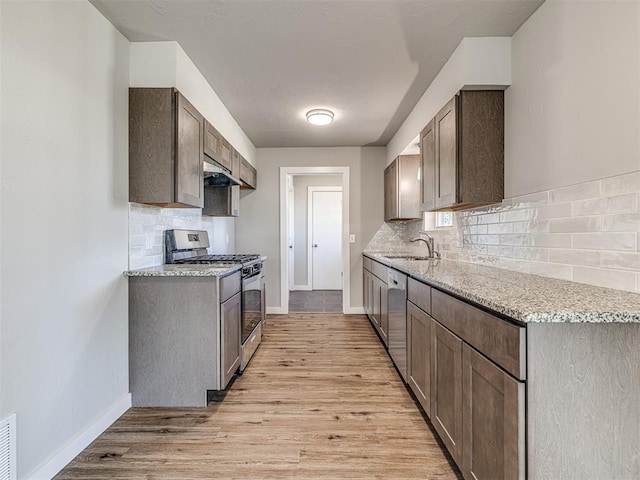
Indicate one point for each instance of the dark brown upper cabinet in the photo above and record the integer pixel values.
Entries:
(166, 149)
(462, 152)
(221, 201)
(248, 174)
(213, 151)
(235, 163)
(402, 189)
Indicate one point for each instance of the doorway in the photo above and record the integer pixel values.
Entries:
(324, 226)
(329, 288)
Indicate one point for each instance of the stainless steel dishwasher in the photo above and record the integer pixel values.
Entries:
(397, 303)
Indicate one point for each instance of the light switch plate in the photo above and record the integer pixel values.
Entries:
(352, 238)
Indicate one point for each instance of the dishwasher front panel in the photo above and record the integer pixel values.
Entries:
(397, 304)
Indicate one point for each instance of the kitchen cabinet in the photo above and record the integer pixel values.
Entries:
(402, 189)
(446, 388)
(221, 201)
(230, 327)
(184, 338)
(428, 167)
(166, 149)
(213, 150)
(368, 293)
(248, 174)
(462, 152)
(236, 162)
(419, 355)
(375, 298)
(493, 413)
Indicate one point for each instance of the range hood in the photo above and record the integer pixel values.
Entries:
(215, 176)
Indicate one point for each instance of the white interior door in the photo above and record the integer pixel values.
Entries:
(325, 219)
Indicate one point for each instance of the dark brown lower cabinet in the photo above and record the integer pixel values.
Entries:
(446, 388)
(493, 412)
(230, 326)
(366, 291)
(419, 355)
(375, 301)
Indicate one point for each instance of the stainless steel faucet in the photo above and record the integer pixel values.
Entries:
(429, 242)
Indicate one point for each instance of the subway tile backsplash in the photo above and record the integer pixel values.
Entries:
(146, 231)
(588, 233)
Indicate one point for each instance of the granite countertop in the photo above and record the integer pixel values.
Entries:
(523, 297)
(173, 270)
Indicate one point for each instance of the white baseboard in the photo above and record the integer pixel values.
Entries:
(306, 288)
(277, 311)
(82, 441)
(354, 311)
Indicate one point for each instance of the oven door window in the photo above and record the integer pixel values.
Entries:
(251, 304)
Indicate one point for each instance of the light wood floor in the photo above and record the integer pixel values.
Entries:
(320, 400)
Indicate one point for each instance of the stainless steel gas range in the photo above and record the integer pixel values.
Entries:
(190, 247)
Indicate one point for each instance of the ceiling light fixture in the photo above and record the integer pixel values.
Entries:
(320, 116)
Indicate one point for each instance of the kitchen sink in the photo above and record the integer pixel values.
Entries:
(407, 257)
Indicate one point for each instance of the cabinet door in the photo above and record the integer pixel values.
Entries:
(248, 174)
(189, 186)
(221, 201)
(493, 430)
(213, 145)
(226, 154)
(235, 162)
(375, 302)
(428, 165)
(366, 301)
(384, 311)
(446, 144)
(391, 191)
(446, 388)
(230, 326)
(419, 355)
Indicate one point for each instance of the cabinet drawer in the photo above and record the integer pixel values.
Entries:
(229, 286)
(419, 294)
(379, 271)
(501, 341)
(366, 263)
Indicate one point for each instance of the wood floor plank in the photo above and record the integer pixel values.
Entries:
(320, 400)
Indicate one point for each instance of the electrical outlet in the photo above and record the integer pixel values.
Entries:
(352, 238)
(148, 241)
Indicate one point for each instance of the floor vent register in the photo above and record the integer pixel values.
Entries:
(8, 448)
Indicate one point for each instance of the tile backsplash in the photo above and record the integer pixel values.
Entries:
(588, 233)
(146, 231)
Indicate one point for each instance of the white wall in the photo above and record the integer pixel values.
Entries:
(477, 63)
(573, 111)
(63, 323)
(165, 64)
(301, 184)
(258, 230)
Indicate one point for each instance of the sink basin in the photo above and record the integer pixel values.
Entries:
(407, 257)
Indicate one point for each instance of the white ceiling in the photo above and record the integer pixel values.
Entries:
(270, 61)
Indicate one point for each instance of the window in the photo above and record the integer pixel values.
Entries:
(437, 220)
(444, 219)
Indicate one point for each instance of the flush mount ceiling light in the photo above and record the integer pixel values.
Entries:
(320, 116)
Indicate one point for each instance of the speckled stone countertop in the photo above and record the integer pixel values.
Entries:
(523, 297)
(173, 270)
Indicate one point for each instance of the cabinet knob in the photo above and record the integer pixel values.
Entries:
(315, 245)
